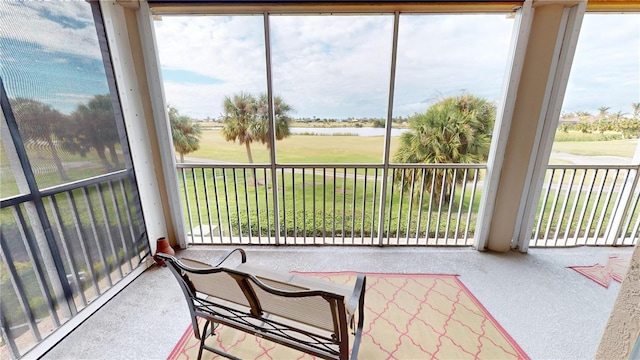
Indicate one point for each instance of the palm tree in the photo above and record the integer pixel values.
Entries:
(246, 119)
(40, 123)
(281, 111)
(603, 111)
(636, 109)
(453, 130)
(185, 133)
(240, 120)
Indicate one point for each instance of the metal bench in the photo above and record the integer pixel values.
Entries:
(304, 313)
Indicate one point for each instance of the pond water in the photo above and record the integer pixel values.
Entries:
(368, 131)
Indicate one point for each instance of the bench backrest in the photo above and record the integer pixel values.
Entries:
(263, 297)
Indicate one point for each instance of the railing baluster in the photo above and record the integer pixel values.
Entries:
(266, 197)
(188, 203)
(257, 189)
(55, 210)
(246, 202)
(413, 181)
(284, 207)
(595, 207)
(399, 221)
(459, 217)
(207, 203)
(295, 214)
(333, 229)
(554, 204)
(584, 208)
(635, 232)
(237, 201)
(393, 175)
(452, 198)
(324, 205)
(364, 202)
(563, 209)
(304, 204)
(96, 237)
(420, 202)
(134, 241)
(40, 274)
(576, 200)
(429, 213)
(226, 199)
(127, 256)
(107, 225)
(196, 192)
(7, 334)
(471, 203)
(373, 206)
(625, 208)
(542, 208)
(83, 241)
(313, 202)
(344, 199)
(353, 205)
(18, 288)
(606, 206)
(218, 214)
(440, 203)
(629, 216)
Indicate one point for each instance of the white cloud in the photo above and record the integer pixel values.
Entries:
(606, 67)
(338, 66)
(333, 66)
(43, 24)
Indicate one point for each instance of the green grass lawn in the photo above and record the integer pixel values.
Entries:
(364, 149)
(624, 148)
(296, 149)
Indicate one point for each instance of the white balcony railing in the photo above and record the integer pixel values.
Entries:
(337, 204)
(435, 204)
(588, 205)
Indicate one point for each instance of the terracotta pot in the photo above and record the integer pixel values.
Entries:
(162, 246)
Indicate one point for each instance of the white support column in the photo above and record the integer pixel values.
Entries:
(565, 48)
(129, 91)
(159, 118)
(504, 117)
(520, 156)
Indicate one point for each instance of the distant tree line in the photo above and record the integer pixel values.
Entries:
(585, 122)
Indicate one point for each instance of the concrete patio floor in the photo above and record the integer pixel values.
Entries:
(551, 311)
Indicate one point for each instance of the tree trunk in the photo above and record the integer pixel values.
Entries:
(248, 147)
(114, 156)
(250, 179)
(103, 158)
(181, 157)
(56, 159)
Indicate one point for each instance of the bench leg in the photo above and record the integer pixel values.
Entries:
(203, 337)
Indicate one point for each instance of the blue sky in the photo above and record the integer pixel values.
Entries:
(49, 51)
(338, 66)
(324, 66)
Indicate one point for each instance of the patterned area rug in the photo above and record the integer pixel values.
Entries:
(614, 269)
(407, 316)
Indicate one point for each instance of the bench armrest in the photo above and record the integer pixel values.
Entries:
(357, 298)
(226, 255)
(357, 301)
